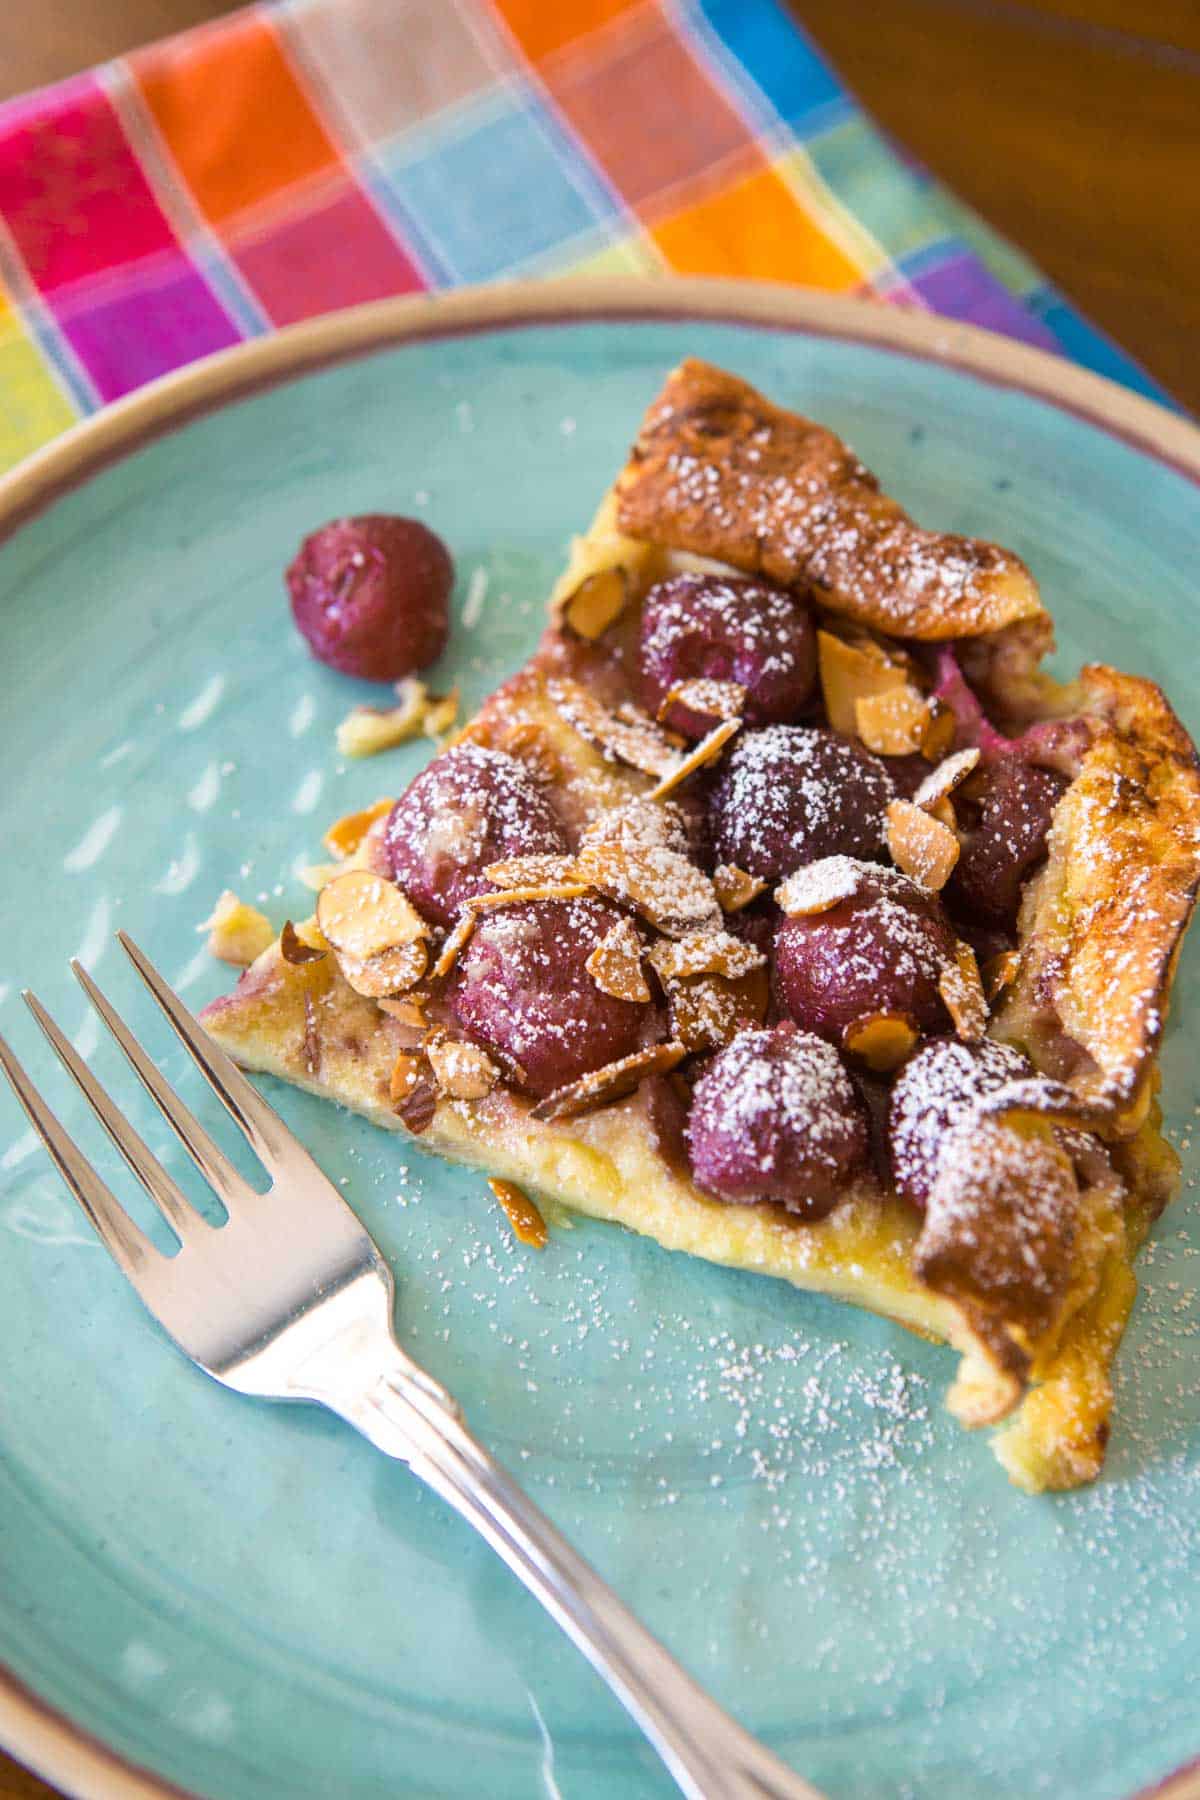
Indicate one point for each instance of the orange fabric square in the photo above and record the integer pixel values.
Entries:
(234, 116)
(756, 227)
(543, 26)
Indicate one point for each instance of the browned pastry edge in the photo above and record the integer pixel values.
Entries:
(1101, 926)
(719, 471)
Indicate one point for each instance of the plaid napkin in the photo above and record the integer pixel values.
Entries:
(308, 154)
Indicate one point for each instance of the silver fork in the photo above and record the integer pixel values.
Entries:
(290, 1299)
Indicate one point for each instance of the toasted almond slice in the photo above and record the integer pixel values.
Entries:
(346, 834)
(454, 945)
(315, 876)
(634, 739)
(943, 811)
(463, 1071)
(527, 1222)
(531, 871)
(939, 731)
(419, 1106)
(615, 965)
(363, 914)
(407, 1071)
(440, 712)
(388, 972)
(704, 953)
(735, 888)
(892, 723)
(368, 729)
(705, 752)
(312, 1047)
(612, 1082)
(820, 885)
(596, 603)
(530, 743)
(409, 1015)
(1000, 972)
(709, 699)
(708, 1011)
(294, 950)
(882, 1041)
(920, 847)
(962, 994)
(849, 673)
(237, 933)
(517, 896)
(950, 774)
(669, 892)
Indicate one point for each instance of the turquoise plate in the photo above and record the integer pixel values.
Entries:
(244, 1600)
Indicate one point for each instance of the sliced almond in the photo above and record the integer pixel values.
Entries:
(294, 950)
(596, 603)
(1000, 972)
(882, 1041)
(363, 914)
(417, 1106)
(454, 945)
(705, 752)
(615, 965)
(893, 723)
(962, 994)
(704, 953)
(315, 876)
(463, 1071)
(943, 811)
(612, 1082)
(735, 888)
(366, 730)
(920, 846)
(388, 972)
(714, 700)
(850, 672)
(669, 892)
(346, 834)
(409, 1014)
(634, 739)
(407, 1071)
(708, 1011)
(527, 1222)
(819, 886)
(312, 1048)
(950, 774)
(531, 871)
(940, 727)
(530, 743)
(237, 933)
(518, 896)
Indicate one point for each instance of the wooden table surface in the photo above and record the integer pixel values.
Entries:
(1073, 126)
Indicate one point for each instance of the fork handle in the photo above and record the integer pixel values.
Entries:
(709, 1754)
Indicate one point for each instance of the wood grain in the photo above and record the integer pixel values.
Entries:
(1071, 125)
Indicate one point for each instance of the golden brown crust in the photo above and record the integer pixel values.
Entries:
(719, 471)
(1102, 924)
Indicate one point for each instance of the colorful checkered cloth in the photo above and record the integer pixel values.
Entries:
(305, 155)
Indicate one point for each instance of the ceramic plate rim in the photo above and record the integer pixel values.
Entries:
(47, 1740)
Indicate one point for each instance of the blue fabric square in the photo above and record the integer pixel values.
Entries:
(792, 75)
(490, 188)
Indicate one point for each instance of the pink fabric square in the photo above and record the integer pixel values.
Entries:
(336, 253)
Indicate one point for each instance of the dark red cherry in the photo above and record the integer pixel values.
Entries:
(1004, 816)
(881, 951)
(522, 990)
(470, 807)
(933, 1093)
(789, 794)
(725, 628)
(775, 1116)
(371, 596)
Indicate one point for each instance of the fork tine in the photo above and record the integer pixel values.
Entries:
(167, 1196)
(131, 1249)
(208, 1155)
(268, 1134)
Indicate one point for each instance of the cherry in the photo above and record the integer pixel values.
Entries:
(789, 794)
(522, 990)
(726, 628)
(371, 595)
(1004, 816)
(880, 951)
(933, 1093)
(470, 807)
(775, 1116)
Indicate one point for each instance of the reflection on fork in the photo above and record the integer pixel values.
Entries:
(289, 1298)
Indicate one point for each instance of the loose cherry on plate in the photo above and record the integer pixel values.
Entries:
(523, 990)
(470, 807)
(775, 1116)
(933, 1093)
(371, 595)
(882, 950)
(726, 628)
(789, 794)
